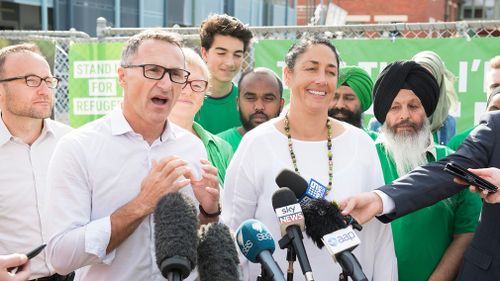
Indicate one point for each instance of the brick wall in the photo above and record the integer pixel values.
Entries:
(413, 10)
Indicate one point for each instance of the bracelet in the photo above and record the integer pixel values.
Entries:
(203, 212)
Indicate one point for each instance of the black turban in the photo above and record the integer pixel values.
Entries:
(404, 75)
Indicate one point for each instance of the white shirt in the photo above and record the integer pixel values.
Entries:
(250, 184)
(96, 170)
(23, 172)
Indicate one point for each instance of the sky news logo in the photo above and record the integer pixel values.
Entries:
(289, 214)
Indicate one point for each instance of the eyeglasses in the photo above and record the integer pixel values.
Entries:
(197, 85)
(156, 72)
(35, 80)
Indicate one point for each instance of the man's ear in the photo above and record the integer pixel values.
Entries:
(282, 103)
(238, 102)
(121, 76)
(204, 54)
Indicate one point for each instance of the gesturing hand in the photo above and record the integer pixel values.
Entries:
(165, 176)
(206, 190)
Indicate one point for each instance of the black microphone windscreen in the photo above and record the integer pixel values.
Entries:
(290, 179)
(283, 197)
(176, 224)
(217, 256)
(322, 217)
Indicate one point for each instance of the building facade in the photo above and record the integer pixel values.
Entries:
(392, 11)
(82, 14)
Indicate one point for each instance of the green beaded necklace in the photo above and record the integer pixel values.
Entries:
(328, 144)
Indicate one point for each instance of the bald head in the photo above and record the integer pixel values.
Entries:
(259, 97)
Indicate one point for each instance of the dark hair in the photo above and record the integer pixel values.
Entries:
(223, 25)
(300, 47)
(264, 70)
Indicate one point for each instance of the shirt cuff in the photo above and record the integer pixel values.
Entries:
(388, 205)
(97, 236)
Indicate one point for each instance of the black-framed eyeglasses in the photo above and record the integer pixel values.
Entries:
(35, 80)
(156, 72)
(196, 85)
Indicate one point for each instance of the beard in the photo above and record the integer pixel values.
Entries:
(24, 109)
(353, 118)
(247, 122)
(407, 149)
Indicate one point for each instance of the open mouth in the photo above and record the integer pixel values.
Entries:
(159, 101)
(317, 93)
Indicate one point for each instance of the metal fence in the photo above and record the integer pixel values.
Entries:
(63, 39)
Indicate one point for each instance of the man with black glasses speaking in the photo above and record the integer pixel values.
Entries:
(106, 178)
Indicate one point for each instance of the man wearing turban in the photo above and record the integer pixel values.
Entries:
(443, 125)
(429, 243)
(352, 97)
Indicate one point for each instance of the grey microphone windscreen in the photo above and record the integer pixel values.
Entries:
(176, 224)
(217, 256)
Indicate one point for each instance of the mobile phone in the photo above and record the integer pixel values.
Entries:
(470, 178)
(33, 253)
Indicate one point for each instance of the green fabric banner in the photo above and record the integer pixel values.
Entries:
(93, 81)
(467, 59)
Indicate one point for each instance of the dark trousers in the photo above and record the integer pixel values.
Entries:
(57, 277)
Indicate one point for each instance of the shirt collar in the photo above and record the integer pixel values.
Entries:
(120, 125)
(203, 134)
(47, 127)
(432, 147)
(5, 134)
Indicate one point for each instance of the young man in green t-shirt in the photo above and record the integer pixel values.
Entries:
(260, 98)
(224, 42)
(430, 242)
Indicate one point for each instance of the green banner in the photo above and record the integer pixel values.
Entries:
(93, 81)
(467, 59)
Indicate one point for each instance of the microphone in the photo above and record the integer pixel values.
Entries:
(291, 222)
(306, 192)
(257, 244)
(302, 190)
(176, 237)
(325, 225)
(217, 256)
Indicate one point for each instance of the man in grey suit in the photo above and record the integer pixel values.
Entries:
(429, 184)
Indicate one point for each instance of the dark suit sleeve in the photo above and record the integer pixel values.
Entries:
(429, 184)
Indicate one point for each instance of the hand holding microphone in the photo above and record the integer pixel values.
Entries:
(326, 226)
(306, 192)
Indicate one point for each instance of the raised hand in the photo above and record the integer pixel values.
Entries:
(206, 189)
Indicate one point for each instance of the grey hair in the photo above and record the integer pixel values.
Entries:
(132, 46)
